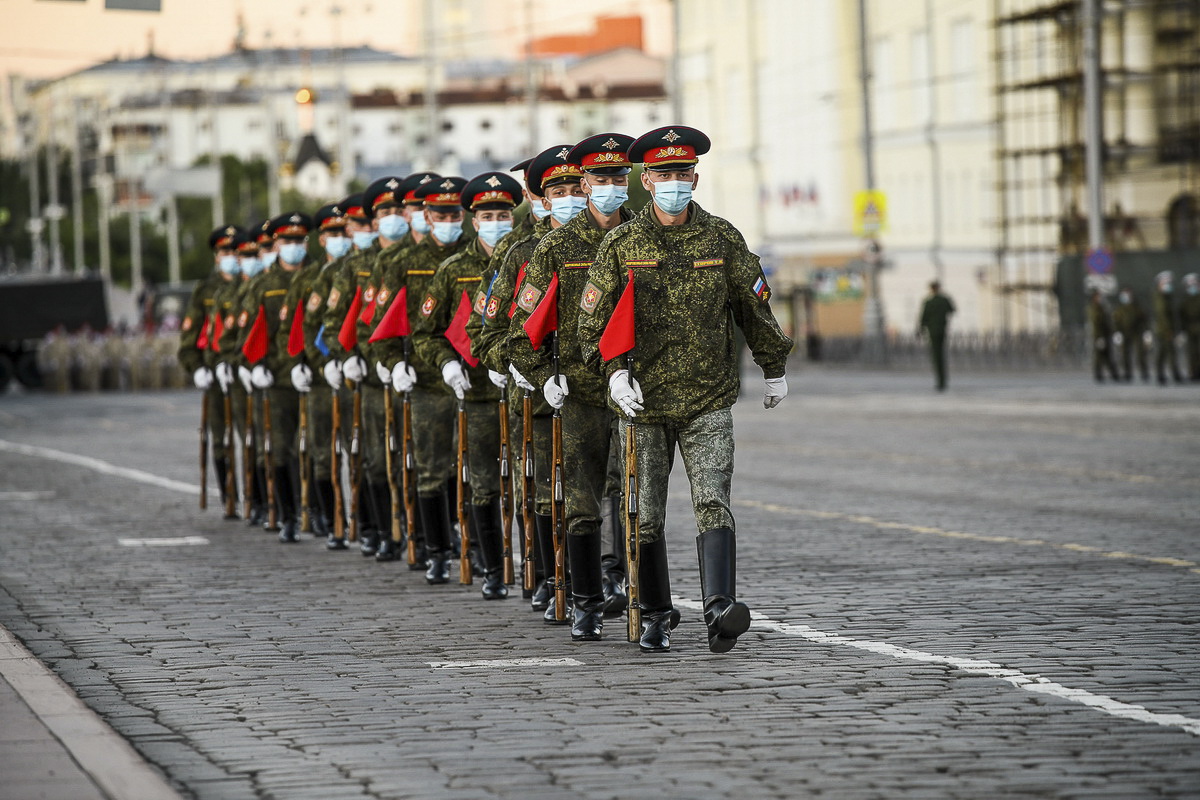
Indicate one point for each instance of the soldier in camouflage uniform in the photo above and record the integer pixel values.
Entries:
(1132, 330)
(220, 316)
(566, 254)
(553, 186)
(1189, 320)
(252, 270)
(271, 367)
(404, 219)
(1102, 335)
(1166, 328)
(193, 347)
(433, 405)
(694, 279)
(440, 340)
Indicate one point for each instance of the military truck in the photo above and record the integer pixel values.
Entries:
(31, 307)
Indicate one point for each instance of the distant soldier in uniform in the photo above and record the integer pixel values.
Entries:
(1166, 328)
(252, 271)
(580, 392)
(694, 281)
(1189, 320)
(1102, 335)
(1132, 330)
(935, 318)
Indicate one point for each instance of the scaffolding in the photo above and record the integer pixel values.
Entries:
(1150, 79)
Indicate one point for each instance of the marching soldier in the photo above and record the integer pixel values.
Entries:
(1189, 319)
(222, 338)
(1166, 328)
(690, 278)
(440, 339)
(563, 258)
(1132, 330)
(433, 405)
(1102, 335)
(194, 333)
(252, 274)
(553, 186)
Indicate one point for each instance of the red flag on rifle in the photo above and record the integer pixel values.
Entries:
(395, 321)
(256, 343)
(618, 333)
(202, 339)
(545, 317)
(296, 334)
(457, 332)
(218, 329)
(348, 336)
(368, 313)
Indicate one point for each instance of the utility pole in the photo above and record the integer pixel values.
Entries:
(54, 210)
(1093, 109)
(531, 81)
(36, 223)
(77, 187)
(676, 80)
(935, 156)
(874, 330)
(431, 104)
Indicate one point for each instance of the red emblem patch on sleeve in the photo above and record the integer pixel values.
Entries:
(480, 301)
(492, 307)
(529, 297)
(187, 324)
(589, 299)
(243, 318)
(314, 302)
(382, 299)
(428, 305)
(370, 295)
(283, 312)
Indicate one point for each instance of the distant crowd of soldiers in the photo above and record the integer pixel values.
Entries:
(114, 360)
(1127, 333)
(421, 392)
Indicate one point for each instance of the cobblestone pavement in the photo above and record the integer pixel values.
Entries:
(988, 593)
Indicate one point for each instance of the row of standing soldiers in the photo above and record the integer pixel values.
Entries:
(1125, 333)
(550, 365)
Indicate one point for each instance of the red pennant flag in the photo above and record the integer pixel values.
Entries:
(296, 334)
(348, 336)
(256, 343)
(202, 339)
(368, 313)
(517, 289)
(218, 329)
(545, 317)
(618, 333)
(395, 321)
(457, 332)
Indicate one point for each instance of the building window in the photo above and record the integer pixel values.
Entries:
(922, 93)
(485, 124)
(884, 80)
(962, 68)
(447, 125)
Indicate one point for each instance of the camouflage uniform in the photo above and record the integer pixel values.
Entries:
(1129, 319)
(223, 338)
(1166, 327)
(1189, 320)
(1102, 331)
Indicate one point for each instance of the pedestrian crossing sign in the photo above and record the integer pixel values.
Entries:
(870, 212)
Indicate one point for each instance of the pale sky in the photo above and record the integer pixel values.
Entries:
(49, 38)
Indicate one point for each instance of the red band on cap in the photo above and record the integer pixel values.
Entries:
(605, 160)
(443, 199)
(493, 196)
(292, 230)
(387, 197)
(562, 171)
(671, 154)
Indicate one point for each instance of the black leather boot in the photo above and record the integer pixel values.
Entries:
(329, 510)
(659, 618)
(258, 502)
(285, 499)
(435, 519)
(612, 565)
(488, 536)
(388, 547)
(725, 617)
(545, 543)
(587, 587)
(260, 505)
(541, 536)
(371, 517)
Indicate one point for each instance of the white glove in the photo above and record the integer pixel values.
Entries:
(456, 378)
(499, 379)
(1148, 339)
(1118, 339)
(354, 368)
(1180, 339)
(203, 378)
(776, 391)
(556, 393)
(383, 373)
(519, 378)
(261, 377)
(404, 377)
(224, 376)
(626, 393)
(333, 374)
(244, 377)
(302, 378)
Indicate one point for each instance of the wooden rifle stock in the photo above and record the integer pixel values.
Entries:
(464, 525)
(231, 457)
(529, 564)
(305, 465)
(339, 510)
(506, 489)
(355, 463)
(204, 450)
(557, 503)
(389, 433)
(408, 475)
(633, 553)
(272, 520)
(248, 446)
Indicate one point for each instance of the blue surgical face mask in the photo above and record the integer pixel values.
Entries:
(268, 258)
(419, 223)
(492, 231)
(337, 246)
(251, 265)
(1124, 298)
(1167, 288)
(539, 211)
(672, 197)
(363, 239)
(609, 198)
(229, 265)
(293, 253)
(565, 208)
(393, 226)
(1193, 289)
(447, 232)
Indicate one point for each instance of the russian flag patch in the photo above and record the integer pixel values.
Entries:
(761, 290)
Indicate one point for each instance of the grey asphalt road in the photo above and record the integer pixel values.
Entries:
(987, 593)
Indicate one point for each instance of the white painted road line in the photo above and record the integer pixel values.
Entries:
(504, 663)
(175, 541)
(1022, 680)
(26, 495)
(103, 467)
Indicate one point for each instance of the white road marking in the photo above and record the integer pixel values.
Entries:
(970, 666)
(175, 541)
(503, 663)
(103, 467)
(26, 495)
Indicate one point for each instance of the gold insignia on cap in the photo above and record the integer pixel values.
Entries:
(294, 218)
(671, 136)
(230, 231)
(566, 151)
(392, 184)
(611, 143)
(493, 181)
(447, 184)
(425, 179)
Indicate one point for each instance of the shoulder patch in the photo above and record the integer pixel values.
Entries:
(228, 322)
(480, 301)
(283, 312)
(492, 307)
(428, 305)
(641, 262)
(187, 324)
(761, 290)
(369, 295)
(708, 262)
(382, 298)
(243, 318)
(529, 297)
(314, 302)
(591, 296)
(334, 296)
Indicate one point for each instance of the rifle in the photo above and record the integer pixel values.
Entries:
(464, 527)
(339, 513)
(557, 502)
(248, 448)
(409, 470)
(204, 450)
(529, 564)
(272, 521)
(633, 550)
(506, 498)
(305, 466)
(355, 462)
(389, 432)
(231, 456)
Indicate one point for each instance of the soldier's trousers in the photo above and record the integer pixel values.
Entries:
(1102, 358)
(215, 399)
(706, 444)
(434, 415)
(285, 421)
(1193, 355)
(1131, 345)
(587, 439)
(937, 353)
(1166, 357)
(374, 404)
(320, 431)
(483, 451)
